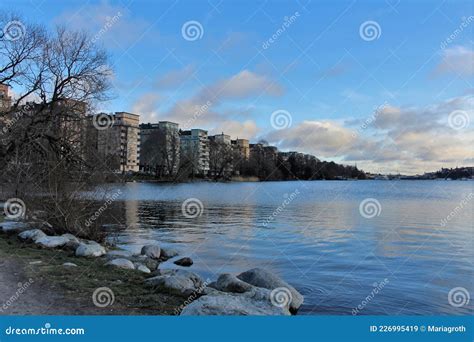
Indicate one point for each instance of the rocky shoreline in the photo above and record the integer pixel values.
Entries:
(253, 292)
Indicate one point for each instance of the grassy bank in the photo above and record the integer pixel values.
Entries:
(76, 285)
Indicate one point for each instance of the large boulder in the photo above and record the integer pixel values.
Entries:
(179, 282)
(119, 253)
(263, 278)
(253, 303)
(229, 283)
(11, 227)
(90, 249)
(52, 241)
(186, 262)
(168, 253)
(151, 251)
(122, 263)
(31, 235)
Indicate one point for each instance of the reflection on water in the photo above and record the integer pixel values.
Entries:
(318, 241)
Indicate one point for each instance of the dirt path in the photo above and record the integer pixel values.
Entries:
(22, 295)
(34, 282)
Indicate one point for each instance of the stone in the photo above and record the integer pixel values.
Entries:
(119, 253)
(184, 262)
(69, 264)
(179, 282)
(252, 303)
(168, 253)
(90, 249)
(31, 235)
(142, 268)
(151, 251)
(73, 242)
(52, 241)
(229, 283)
(122, 263)
(152, 264)
(265, 279)
(11, 227)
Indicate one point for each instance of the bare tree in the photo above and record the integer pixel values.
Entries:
(62, 74)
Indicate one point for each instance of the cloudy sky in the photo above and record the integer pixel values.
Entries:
(386, 85)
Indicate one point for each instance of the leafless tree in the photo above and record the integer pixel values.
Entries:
(57, 77)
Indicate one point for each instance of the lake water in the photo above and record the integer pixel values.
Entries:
(400, 258)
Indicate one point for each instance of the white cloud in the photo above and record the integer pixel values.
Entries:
(458, 60)
(410, 139)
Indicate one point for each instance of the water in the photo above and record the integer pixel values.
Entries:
(318, 241)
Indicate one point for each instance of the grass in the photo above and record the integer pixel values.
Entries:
(77, 284)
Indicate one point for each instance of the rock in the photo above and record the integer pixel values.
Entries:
(52, 241)
(184, 262)
(179, 282)
(122, 263)
(151, 251)
(73, 242)
(229, 283)
(151, 264)
(252, 303)
(263, 278)
(168, 253)
(31, 235)
(69, 264)
(119, 253)
(142, 268)
(90, 249)
(12, 227)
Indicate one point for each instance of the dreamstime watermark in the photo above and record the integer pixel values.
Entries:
(103, 208)
(103, 297)
(369, 208)
(102, 121)
(14, 208)
(288, 199)
(22, 287)
(371, 119)
(458, 297)
(287, 22)
(192, 208)
(466, 21)
(14, 30)
(109, 22)
(281, 297)
(458, 120)
(197, 114)
(192, 30)
(281, 119)
(46, 330)
(377, 287)
(370, 30)
(192, 297)
(462, 204)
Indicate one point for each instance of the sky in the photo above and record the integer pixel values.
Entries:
(384, 85)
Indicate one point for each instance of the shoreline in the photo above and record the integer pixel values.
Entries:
(74, 273)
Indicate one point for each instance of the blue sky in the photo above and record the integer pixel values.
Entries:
(324, 74)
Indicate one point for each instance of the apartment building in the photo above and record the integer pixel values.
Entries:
(194, 146)
(5, 98)
(242, 146)
(121, 140)
(160, 148)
